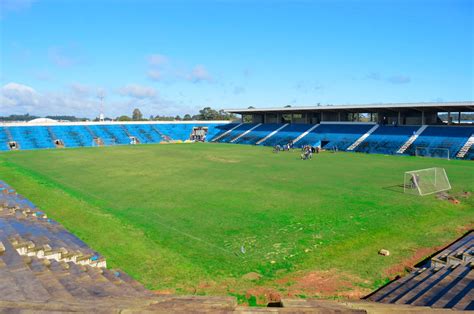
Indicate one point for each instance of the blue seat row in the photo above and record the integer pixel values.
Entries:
(36, 137)
(236, 132)
(452, 138)
(384, 140)
(258, 133)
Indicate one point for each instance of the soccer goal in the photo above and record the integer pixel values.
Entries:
(426, 181)
(432, 152)
(103, 141)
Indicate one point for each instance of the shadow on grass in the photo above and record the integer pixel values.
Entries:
(394, 188)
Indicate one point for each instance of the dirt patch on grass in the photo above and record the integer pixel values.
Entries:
(407, 265)
(325, 283)
(421, 254)
(223, 160)
(313, 284)
(164, 292)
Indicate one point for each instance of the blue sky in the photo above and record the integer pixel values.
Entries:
(174, 57)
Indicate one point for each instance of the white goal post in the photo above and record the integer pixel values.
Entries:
(432, 152)
(103, 141)
(426, 181)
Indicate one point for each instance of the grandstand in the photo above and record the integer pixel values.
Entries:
(222, 212)
(394, 129)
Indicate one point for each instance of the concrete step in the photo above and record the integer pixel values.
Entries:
(463, 151)
(362, 138)
(299, 137)
(49, 281)
(430, 295)
(390, 288)
(416, 280)
(411, 140)
(69, 281)
(245, 133)
(457, 292)
(8, 285)
(225, 133)
(424, 286)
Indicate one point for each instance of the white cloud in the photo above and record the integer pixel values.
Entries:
(157, 60)
(138, 91)
(199, 74)
(80, 90)
(14, 94)
(19, 99)
(155, 75)
(160, 68)
(80, 100)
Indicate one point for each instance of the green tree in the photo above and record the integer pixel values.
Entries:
(208, 113)
(124, 118)
(137, 115)
(187, 117)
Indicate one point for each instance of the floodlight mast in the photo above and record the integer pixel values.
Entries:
(101, 97)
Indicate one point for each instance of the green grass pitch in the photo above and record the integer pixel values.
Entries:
(177, 216)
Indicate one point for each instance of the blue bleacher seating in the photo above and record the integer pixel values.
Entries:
(258, 133)
(3, 139)
(31, 137)
(384, 140)
(449, 137)
(335, 136)
(236, 132)
(286, 135)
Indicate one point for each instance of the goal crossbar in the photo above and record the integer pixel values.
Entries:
(426, 181)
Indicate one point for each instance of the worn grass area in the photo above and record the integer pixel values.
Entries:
(177, 216)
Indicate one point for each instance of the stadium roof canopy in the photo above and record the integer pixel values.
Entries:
(457, 106)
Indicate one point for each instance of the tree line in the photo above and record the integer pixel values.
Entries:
(204, 114)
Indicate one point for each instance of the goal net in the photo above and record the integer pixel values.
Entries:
(103, 141)
(432, 152)
(426, 181)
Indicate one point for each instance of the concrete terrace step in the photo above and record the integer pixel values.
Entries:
(431, 276)
(49, 281)
(406, 288)
(225, 133)
(271, 134)
(245, 133)
(299, 137)
(463, 151)
(362, 138)
(412, 139)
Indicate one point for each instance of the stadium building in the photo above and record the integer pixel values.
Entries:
(46, 268)
(403, 129)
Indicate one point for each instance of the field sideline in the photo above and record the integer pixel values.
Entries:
(197, 218)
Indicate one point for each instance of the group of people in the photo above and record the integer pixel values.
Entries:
(278, 148)
(307, 151)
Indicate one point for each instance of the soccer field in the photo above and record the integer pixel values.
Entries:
(198, 218)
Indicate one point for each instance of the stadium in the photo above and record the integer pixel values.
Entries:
(218, 218)
(236, 156)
